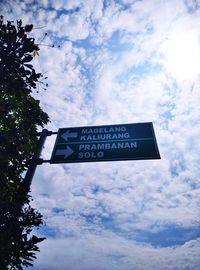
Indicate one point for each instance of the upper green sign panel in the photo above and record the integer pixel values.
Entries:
(105, 143)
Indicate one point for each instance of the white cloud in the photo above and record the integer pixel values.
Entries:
(108, 251)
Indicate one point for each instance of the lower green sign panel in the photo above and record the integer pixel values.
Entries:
(105, 143)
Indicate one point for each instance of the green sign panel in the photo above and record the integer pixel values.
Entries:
(105, 143)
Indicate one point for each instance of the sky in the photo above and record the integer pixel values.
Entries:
(119, 62)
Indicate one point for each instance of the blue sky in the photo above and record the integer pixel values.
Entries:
(119, 62)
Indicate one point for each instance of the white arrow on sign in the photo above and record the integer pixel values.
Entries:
(64, 152)
(68, 135)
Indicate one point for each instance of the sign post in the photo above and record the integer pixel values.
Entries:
(105, 143)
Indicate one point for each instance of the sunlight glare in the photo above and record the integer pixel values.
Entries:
(182, 55)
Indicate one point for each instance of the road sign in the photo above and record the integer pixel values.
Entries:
(105, 143)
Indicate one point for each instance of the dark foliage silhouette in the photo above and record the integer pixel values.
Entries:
(20, 116)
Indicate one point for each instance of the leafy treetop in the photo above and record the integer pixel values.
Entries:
(21, 115)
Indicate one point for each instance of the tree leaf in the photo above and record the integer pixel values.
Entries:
(27, 58)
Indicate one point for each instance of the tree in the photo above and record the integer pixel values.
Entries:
(21, 115)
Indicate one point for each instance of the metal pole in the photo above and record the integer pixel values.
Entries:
(31, 170)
